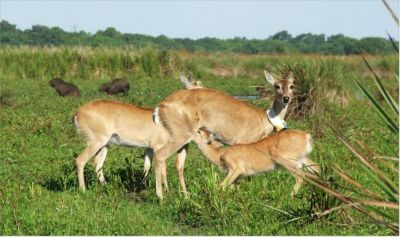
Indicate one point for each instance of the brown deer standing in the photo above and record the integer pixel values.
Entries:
(104, 121)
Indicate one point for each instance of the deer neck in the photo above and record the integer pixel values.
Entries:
(212, 153)
(276, 116)
(278, 109)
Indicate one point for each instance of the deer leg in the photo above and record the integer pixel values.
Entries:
(233, 174)
(161, 156)
(299, 182)
(83, 158)
(148, 157)
(99, 162)
(309, 166)
(160, 160)
(164, 176)
(180, 164)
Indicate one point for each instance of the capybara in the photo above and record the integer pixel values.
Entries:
(115, 87)
(64, 88)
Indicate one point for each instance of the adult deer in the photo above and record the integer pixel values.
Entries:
(103, 122)
(289, 148)
(232, 121)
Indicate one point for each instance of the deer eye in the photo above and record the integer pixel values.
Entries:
(277, 87)
(291, 87)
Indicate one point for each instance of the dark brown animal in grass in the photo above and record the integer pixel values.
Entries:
(115, 87)
(64, 88)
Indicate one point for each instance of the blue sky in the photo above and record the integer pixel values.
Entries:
(196, 19)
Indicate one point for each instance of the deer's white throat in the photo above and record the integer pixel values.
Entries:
(275, 120)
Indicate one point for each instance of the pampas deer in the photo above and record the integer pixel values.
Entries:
(289, 148)
(231, 120)
(103, 122)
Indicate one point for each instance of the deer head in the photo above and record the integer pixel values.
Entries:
(283, 87)
(203, 136)
(190, 83)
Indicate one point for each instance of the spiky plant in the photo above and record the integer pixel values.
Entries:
(380, 204)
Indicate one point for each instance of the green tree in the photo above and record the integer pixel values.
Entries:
(282, 35)
(281, 42)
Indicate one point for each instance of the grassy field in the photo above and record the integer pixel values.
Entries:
(38, 183)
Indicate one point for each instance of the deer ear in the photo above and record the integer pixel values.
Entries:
(184, 80)
(202, 129)
(268, 76)
(290, 77)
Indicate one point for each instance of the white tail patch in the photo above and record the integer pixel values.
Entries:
(156, 116)
(147, 165)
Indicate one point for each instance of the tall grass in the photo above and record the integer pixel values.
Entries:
(377, 205)
(94, 63)
(317, 83)
(86, 63)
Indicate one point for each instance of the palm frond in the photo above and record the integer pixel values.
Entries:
(389, 99)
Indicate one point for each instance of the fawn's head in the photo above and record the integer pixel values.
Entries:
(203, 136)
(283, 87)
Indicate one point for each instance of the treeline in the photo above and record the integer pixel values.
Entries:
(281, 42)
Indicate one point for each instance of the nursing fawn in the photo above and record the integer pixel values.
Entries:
(288, 148)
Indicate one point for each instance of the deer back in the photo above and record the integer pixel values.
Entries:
(232, 120)
(131, 124)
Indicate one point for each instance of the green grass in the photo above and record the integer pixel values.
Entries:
(38, 183)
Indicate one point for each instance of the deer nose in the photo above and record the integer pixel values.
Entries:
(286, 99)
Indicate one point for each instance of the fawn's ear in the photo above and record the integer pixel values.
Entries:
(202, 130)
(268, 76)
(290, 77)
